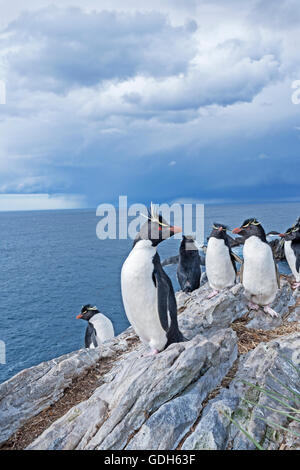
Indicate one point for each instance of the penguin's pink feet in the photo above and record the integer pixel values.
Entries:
(270, 311)
(213, 294)
(295, 285)
(152, 353)
(253, 306)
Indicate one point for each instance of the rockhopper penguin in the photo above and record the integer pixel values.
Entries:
(292, 251)
(147, 291)
(259, 273)
(220, 263)
(99, 328)
(188, 270)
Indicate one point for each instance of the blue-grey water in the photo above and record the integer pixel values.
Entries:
(52, 263)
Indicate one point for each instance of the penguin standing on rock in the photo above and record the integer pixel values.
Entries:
(188, 271)
(220, 263)
(259, 273)
(147, 291)
(292, 251)
(99, 328)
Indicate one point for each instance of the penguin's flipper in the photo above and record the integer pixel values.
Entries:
(276, 271)
(277, 274)
(162, 299)
(296, 249)
(166, 303)
(233, 261)
(237, 258)
(242, 272)
(298, 264)
(90, 336)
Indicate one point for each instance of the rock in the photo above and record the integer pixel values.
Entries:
(165, 428)
(160, 402)
(142, 387)
(290, 440)
(294, 316)
(283, 302)
(231, 304)
(295, 304)
(218, 312)
(75, 428)
(181, 299)
(32, 390)
(212, 431)
(265, 366)
(203, 279)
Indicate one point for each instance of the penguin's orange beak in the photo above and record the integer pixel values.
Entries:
(175, 229)
(79, 316)
(281, 235)
(237, 230)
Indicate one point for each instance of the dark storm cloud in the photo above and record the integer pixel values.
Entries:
(57, 48)
(180, 101)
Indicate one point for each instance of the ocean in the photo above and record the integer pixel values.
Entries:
(52, 263)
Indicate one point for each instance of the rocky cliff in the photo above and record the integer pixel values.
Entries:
(186, 397)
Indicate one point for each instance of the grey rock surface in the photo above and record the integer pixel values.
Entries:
(142, 390)
(265, 366)
(212, 430)
(34, 389)
(75, 428)
(165, 428)
(156, 402)
(218, 312)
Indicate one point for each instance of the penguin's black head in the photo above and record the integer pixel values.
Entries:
(87, 312)
(188, 243)
(291, 234)
(250, 228)
(219, 231)
(156, 229)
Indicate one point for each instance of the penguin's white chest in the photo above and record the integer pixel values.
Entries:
(219, 268)
(259, 276)
(291, 259)
(140, 295)
(103, 326)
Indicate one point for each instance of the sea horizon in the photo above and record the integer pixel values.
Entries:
(190, 201)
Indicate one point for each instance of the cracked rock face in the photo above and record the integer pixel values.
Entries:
(32, 390)
(157, 402)
(229, 305)
(176, 381)
(218, 312)
(265, 366)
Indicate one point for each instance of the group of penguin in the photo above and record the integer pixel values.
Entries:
(147, 291)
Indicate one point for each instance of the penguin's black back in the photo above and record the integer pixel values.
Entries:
(188, 271)
(295, 245)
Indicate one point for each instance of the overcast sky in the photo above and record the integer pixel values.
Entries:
(191, 99)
